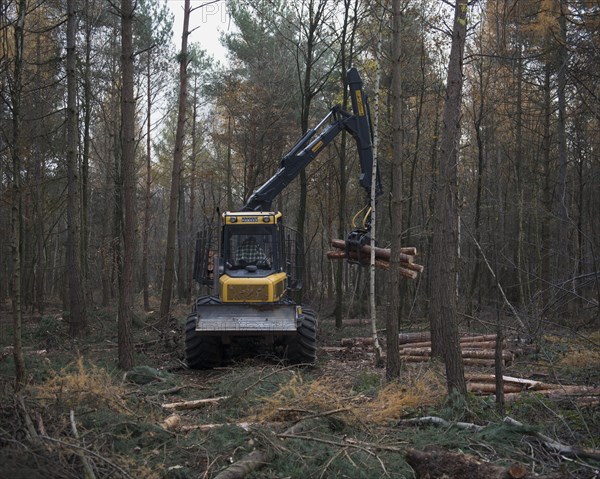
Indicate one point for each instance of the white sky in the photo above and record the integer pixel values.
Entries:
(206, 25)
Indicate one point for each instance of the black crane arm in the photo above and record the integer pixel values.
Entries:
(311, 144)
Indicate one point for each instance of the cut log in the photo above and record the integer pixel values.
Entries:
(485, 354)
(527, 384)
(407, 273)
(490, 388)
(171, 422)
(466, 353)
(353, 342)
(466, 361)
(406, 253)
(425, 336)
(383, 263)
(195, 404)
(407, 270)
(470, 345)
(243, 467)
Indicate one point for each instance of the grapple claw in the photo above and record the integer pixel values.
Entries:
(354, 243)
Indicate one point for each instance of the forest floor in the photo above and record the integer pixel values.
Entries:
(79, 416)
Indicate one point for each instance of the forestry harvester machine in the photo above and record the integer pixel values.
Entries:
(258, 258)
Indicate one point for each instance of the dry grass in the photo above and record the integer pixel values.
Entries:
(296, 397)
(581, 358)
(78, 383)
(394, 400)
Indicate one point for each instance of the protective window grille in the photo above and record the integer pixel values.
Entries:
(293, 257)
(204, 257)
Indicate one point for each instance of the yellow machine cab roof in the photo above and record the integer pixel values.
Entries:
(251, 217)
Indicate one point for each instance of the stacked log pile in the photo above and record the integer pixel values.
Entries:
(416, 347)
(476, 350)
(408, 268)
(479, 350)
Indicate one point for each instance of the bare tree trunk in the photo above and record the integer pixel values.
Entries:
(129, 188)
(16, 213)
(546, 236)
(191, 218)
(40, 266)
(85, 160)
(147, 191)
(346, 53)
(39, 210)
(182, 244)
(169, 270)
(393, 317)
(563, 209)
(373, 200)
(444, 324)
(77, 312)
(520, 160)
(478, 115)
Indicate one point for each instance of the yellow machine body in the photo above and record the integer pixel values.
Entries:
(268, 289)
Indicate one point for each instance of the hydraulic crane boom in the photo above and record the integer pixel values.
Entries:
(311, 144)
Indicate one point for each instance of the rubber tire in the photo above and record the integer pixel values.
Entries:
(201, 352)
(302, 348)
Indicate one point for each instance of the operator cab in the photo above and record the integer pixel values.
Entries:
(250, 249)
(250, 244)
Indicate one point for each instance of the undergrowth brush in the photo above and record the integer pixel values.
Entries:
(337, 419)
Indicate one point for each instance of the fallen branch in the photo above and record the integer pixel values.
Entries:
(33, 435)
(122, 471)
(243, 467)
(88, 472)
(254, 460)
(195, 404)
(579, 394)
(570, 451)
(365, 446)
(442, 422)
(246, 426)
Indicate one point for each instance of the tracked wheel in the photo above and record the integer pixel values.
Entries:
(302, 348)
(201, 352)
